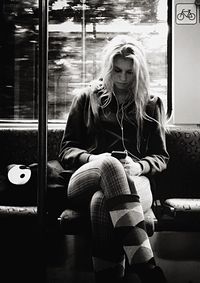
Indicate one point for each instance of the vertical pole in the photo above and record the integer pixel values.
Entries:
(94, 53)
(83, 43)
(42, 133)
(169, 59)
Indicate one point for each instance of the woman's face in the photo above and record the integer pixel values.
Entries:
(122, 73)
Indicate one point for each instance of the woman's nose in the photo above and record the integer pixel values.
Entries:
(123, 77)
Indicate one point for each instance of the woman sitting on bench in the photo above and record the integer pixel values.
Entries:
(117, 113)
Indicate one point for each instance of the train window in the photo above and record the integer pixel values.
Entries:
(77, 31)
(18, 59)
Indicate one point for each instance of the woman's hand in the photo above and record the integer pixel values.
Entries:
(131, 167)
(97, 156)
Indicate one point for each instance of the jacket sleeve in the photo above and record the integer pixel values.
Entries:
(157, 157)
(73, 153)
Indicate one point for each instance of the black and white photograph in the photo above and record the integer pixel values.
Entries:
(100, 141)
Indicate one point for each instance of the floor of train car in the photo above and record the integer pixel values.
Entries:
(21, 252)
(66, 259)
(178, 253)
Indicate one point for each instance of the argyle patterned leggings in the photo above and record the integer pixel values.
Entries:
(117, 205)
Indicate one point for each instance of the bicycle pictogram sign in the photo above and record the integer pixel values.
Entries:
(186, 14)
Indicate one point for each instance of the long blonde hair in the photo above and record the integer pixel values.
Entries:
(127, 47)
(139, 96)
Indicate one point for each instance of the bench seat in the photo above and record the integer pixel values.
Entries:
(179, 180)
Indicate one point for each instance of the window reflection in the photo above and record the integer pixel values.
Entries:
(18, 59)
(77, 32)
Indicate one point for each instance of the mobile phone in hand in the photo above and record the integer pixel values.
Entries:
(119, 154)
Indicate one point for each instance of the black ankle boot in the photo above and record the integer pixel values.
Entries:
(154, 275)
(109, 275)
(145, 275)
(131, 278)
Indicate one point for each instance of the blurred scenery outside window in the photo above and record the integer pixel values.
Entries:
(77, 32)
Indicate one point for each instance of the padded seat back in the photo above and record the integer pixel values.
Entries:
(181, 178)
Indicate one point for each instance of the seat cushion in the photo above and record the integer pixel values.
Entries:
(22, 211)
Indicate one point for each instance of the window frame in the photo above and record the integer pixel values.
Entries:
(61, 123)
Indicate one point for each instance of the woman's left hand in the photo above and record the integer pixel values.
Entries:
(131, 167)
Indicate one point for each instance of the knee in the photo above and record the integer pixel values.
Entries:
(111, 163)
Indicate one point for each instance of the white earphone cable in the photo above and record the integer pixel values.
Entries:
(120, 122)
